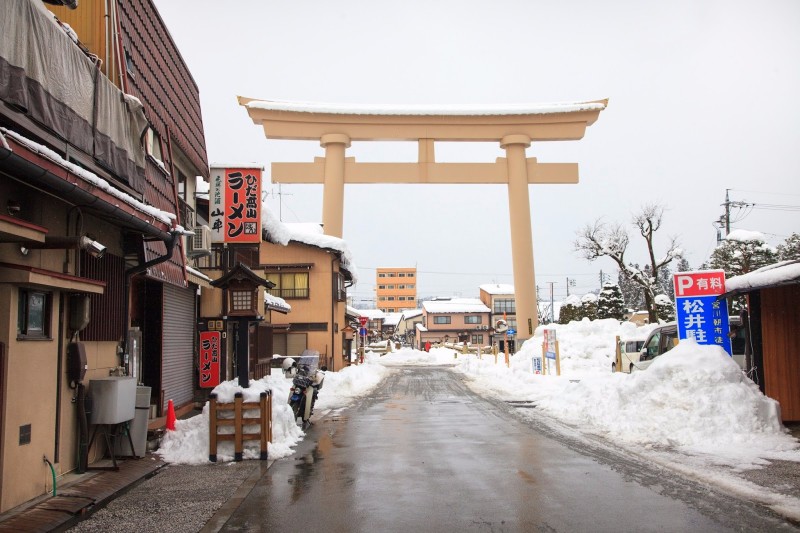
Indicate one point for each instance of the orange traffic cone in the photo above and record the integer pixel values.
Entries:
(170, 416)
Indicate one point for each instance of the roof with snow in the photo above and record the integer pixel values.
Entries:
(455, 305)
(497, 288)
(276, 304)
(307, 233)
(372, 314)
(392, 319)
(777, 274)
(411, 313)
(743, 235)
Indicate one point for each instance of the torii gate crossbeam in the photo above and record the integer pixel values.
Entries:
(514, 127)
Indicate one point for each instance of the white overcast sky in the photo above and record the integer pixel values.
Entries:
(703, 97)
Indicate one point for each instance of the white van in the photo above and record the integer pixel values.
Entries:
(627, 355)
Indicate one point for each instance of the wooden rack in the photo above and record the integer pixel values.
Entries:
(263, 421)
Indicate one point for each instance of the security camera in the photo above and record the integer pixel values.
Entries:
(95, 249)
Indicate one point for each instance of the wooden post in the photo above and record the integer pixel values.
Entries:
(618, 355)
(508, 361)
(238, 445)
(264, 424)
(212, 428)
(269, 415)
(544, 355)
(558, 360)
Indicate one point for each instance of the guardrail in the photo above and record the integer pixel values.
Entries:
(239, 420)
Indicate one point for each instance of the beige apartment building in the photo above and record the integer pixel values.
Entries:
(396, 289)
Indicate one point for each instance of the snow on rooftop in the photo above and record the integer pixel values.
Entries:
(770, 275)
(90, 177)
(429, 110)
(306, 233)
(372, 314)
(411, 313)
(497, 288)
(275, 301)
(392, 319)
(743, 235)
(456, 305)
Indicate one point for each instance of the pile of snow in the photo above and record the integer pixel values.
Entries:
(693, 399)
(586, 347)
(188, 444)
(410, 356)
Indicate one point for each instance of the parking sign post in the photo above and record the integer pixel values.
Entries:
(700, 316)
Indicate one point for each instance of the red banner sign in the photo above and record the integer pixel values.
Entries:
(210, 352)
(702, 283)
(235, 204)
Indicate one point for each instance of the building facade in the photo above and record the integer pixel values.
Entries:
(500, 299)
(454, 320)
(396, 289)
(99, 138)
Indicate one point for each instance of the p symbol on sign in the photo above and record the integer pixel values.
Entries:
(684, 283)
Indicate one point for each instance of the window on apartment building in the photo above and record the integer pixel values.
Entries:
(381, 286)
(391, 298)
(441, 320)
(390, 286)
(409, 286)
(410, 274)
(401, 275)
(382, 298)
(340, 292)
(477, 339)
(472, 319)
(33, 317)
(505, 305)
(289, 285)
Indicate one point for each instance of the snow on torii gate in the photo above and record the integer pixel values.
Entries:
(513, 126)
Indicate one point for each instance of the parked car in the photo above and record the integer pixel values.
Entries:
(663, 338)
(628, 354)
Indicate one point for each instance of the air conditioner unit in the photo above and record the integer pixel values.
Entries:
(200, 243)
(485, 326)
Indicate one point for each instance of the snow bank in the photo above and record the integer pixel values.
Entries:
(693, 399)
(410, 356)
(188, 444)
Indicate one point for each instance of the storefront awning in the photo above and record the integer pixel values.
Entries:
(28, 275)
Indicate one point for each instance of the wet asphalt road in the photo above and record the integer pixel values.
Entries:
(426, 454)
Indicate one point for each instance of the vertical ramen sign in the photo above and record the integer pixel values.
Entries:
(235, 205)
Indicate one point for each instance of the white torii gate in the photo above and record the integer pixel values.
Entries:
(513, 126)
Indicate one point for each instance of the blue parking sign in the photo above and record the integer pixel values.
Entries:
(699, 314)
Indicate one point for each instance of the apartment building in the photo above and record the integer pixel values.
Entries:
(499, 298)
(396, 289)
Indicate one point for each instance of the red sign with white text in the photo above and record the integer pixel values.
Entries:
(235, 205)
(702, 283)
(210, 355)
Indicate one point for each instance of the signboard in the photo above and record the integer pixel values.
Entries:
(536, 362)
(363, 320)
(511, 331)
(235, 205)
(362, 332)
(700, 316)
(210, 346)
(550, 343)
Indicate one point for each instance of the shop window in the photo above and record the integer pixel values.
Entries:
(33, 318)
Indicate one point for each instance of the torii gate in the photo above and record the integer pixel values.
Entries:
(513, 126)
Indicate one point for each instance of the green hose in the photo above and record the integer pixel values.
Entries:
(53, 472)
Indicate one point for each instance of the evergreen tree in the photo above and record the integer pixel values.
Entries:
(665, 308)
(588, 307)
(790, 249)
(570, 310)
(632, 292)
(610, 303)
(683, 265)
(741, 252)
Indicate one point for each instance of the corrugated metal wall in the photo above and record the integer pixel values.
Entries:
(177, 365)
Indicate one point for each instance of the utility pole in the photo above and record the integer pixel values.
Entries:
(570, 283)
(727, 213)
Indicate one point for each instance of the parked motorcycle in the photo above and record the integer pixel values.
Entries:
(306, 383)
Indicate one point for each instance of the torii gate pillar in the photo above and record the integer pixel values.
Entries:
(333, 192)
(519, 210)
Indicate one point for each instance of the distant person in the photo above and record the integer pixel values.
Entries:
(427, 346)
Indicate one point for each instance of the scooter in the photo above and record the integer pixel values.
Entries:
(303, 393)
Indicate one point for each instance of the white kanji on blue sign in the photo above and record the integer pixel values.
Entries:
(704, 319)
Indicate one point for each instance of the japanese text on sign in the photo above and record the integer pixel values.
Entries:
(210, 342)
(700, 316)
(235, 206)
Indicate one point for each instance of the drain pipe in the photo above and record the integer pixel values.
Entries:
(170, 243)
(52, 471)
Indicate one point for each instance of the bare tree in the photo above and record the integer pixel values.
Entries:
(603, 240)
